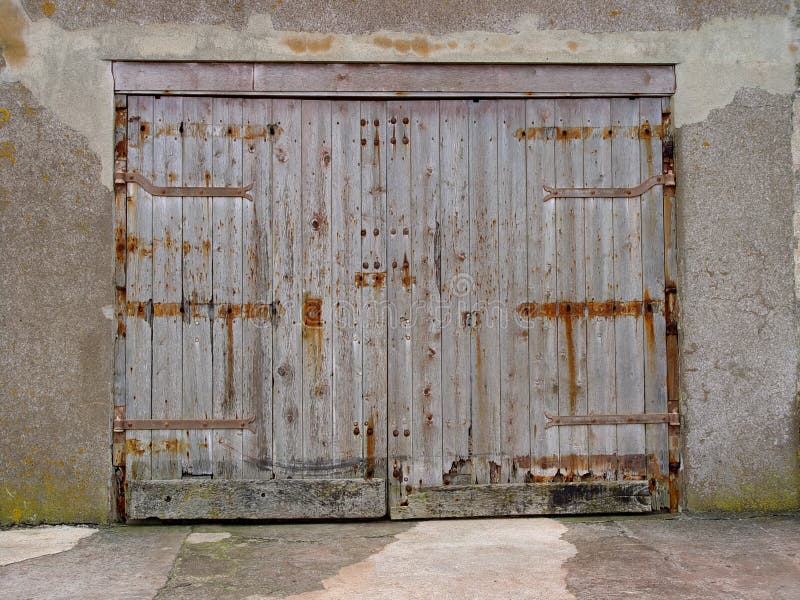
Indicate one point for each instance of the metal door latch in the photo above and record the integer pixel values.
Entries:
(631, 192)
(560, 421)
(178, 192)
(122, 424)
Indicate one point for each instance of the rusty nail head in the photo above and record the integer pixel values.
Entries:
(394, 120)
(363, 142)
(406, 433)
(408, 489)
(365, 264)
(377, 264)
(395, 433)
(363, 122)
(369, 431)
(376, 122)
(405, 120)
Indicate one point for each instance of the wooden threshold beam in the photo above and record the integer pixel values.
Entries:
(256, 499)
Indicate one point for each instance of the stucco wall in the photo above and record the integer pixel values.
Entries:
(733, 114)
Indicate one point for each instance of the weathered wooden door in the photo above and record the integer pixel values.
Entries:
(383, 295)
(508, 308)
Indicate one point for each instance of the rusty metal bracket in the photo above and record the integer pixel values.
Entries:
(122, 424)
(632, 192)
(561, 421)
(178, 192)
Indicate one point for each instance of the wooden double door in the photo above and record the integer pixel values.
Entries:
(392, 307)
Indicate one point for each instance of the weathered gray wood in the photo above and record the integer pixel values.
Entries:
(426, 315)
(161, 77)
(628, 286)
(287, 281)
(540, 135)
(515, 499)
(600, 369)
(257, 288)
(399, 298)
(139, 278)
(373, 290)
(462, 79)
(197, 367)
(483, 238)
(653, 265)
(317, 321)
(515, 435)
(167, 446)
(346, 296)
(456, 289)
(256, 499)
(227, 286)
(571, 289)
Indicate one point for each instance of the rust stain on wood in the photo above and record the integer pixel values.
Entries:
(136, 447)
(596, 308)
(376, 279)
(370, 447)
(568, 316)
(418, 45)
(229, 399)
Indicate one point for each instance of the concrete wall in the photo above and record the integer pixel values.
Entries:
(737, 194)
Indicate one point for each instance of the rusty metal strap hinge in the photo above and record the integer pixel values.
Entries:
(178, 192)
(122, 424)
(632, 192)
(561, 421)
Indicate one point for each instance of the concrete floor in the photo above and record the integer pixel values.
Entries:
(636, 557)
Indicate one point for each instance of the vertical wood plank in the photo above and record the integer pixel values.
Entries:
(373, 293)
(513, 283)
(456, 290)
(655, 364)
(601, 386)
(543, 339)
(485, 347)
(259, 130)
(628, 286)
(571, 288)
(399, 299)
(167, 288)
(316, 240)
(138, 342)
(227, 286)
(345, 264)
(426, 310)
(287, 282)
(197, 368)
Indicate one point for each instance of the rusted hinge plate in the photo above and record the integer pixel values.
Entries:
(178, 192)
(560, 421)
(631, 192)
(122, 424)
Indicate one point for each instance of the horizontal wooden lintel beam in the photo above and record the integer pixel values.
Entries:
(423, 80)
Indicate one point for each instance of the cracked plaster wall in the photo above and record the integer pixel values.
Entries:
(735, 68)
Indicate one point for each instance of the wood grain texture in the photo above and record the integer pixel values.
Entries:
(653, 283)
(139, 278)
(514, 499)
(461, 79)
(599, 236)
(571, 290)
(345, 263)
(196, 272)
(160, 77)
(426, 337)
(456, 289)
(257, 499)
(543, 336)
(287, 282)
(257, 136)
(373, 296)
(628, 286)
(317, 314)
(485, 347)
(167, 263)
(399, 297)
(512, 269)
(226, 331)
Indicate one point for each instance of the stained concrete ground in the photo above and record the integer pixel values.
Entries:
(638, 557)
